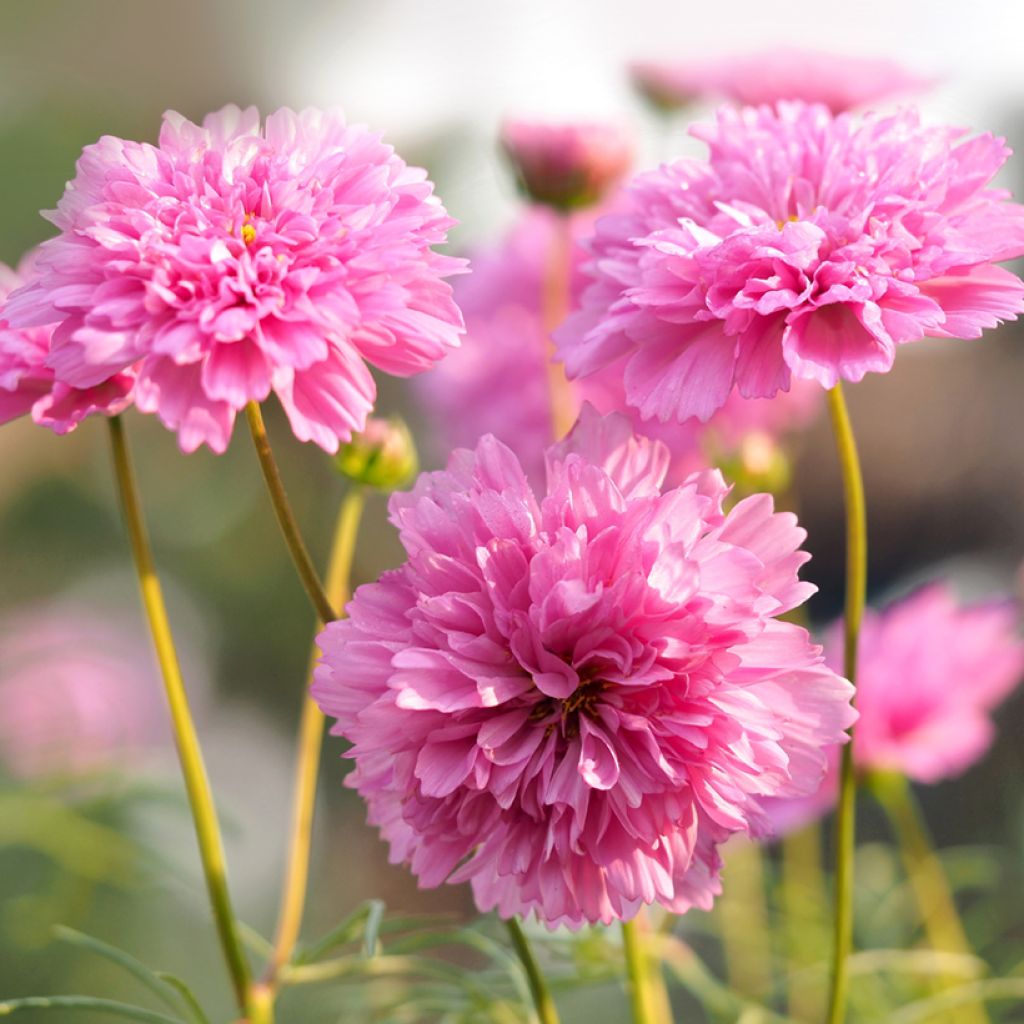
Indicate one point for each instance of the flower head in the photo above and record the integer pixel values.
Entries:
(930, 671)
(569, 699)
(808, 246)
(567, 166)
(838, 81)
(469, 394)
(28, 385)
(78, 693)
(234, 259)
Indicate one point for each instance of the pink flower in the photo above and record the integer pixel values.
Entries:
(469, 395)
(571, 699)
(567, 166)
(78, 693)
(838, 81)
(808, 246)
(27, 384)
(930, 673)
(232, 260)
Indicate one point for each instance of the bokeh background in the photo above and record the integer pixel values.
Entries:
(940, 435)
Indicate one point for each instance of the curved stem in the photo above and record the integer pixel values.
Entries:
(935, 901)
(555, 302)
(286, 518)
(641, 995)
(197, 785)
(307, 761)
(856, 595)
(542, 1000)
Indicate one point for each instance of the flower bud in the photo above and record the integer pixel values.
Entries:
(382, 456)
(567, 166)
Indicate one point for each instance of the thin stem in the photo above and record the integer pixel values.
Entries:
(641, 996)
(555, 304)
(286, 518)
(542, 1000)
(307, 761)
(743, 920)
(935, 901)
(197, 785)
(856, 595)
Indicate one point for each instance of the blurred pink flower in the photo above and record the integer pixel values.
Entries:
(808, 246)
(78, 693)
(496, 383)
(930, 672)
(27, 384)
(571, 699)
(234, 260)
(838, 81)
(567, 166)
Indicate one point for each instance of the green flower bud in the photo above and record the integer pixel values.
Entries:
(382, 456)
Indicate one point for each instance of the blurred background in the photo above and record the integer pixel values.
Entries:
(111, 852)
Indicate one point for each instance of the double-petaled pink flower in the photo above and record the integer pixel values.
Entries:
(839, 81)
(232, 260)
(497, 382)
(27, 383)
(930, 672)
(570, 699)
(807, 246)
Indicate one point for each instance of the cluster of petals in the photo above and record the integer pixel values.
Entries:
(930, 672)
(468, 394)
(79, 693)
(569, 699)
(27, 383)
(840, 82)
(232, 259)
(568, 165)
(807, 246)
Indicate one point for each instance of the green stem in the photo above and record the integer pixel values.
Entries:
(308, 575)
(856, 594)
(641, 996)
(803, 896)
(542, 1000)
(197, 785)
(743, 920)
(307, 761)
(935, 901)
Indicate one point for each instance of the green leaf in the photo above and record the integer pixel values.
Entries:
(374, 917)
(166, 993)
(348, 931)
(187, 996)
(938, 1006)
(107, 1006)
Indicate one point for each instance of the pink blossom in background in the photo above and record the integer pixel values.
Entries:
(496, 383)
(570, 699)
(838, 81)
(570, 165)
(808, 246)
(930, 671)
(27, 384)
(234, 259)
(78, 692)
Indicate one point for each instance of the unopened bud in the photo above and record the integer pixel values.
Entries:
(382, 456)
(567, 166)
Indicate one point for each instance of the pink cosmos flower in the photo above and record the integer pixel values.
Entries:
(232, 260)
(27, 384)
(496, 383)
(78, 693)
(570, 699)
(838, 81)
(808, 246)
(930, 672)
(570, 165)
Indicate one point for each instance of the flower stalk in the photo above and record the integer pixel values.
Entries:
(197, 785)
(555, 303)
(856, 596)
(642, 995)
(543, 1001)
(308, 574)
